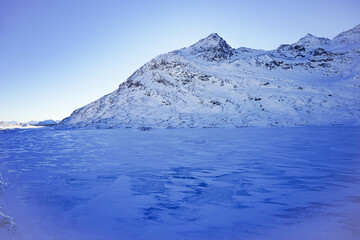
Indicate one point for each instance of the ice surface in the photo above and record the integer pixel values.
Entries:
(211, 183)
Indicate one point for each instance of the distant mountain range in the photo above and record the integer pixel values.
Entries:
(16, 124)
(315, 81)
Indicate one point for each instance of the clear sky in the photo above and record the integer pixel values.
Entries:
(57, 56)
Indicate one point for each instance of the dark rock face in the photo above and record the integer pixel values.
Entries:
(296, 51)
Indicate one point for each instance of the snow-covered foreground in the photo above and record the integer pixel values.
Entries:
(214, 183)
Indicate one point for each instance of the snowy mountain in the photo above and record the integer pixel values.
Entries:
(348, 37)
(315, 81)
(48, 122)
(30, 124)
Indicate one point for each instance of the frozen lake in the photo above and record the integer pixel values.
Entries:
(214, 183)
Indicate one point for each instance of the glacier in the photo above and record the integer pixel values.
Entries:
(251, 183)
(315, 81)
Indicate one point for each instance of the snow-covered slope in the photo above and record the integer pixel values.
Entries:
(315, 81)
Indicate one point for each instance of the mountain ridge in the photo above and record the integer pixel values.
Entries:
(314, 81)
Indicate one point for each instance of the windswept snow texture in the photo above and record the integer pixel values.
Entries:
(315, 81)
(193, 184)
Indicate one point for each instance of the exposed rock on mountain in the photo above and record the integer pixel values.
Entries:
(315, 81)
(212, 48)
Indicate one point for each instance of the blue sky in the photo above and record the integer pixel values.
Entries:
(56, 56)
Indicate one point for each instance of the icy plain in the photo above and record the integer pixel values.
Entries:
(210, 183)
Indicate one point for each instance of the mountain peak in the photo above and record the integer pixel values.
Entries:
(312, 41)
(349, 36)
(212, 48)
(214, 36)
(356, 27)
(309, 35)
(213, 40)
